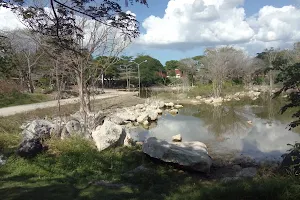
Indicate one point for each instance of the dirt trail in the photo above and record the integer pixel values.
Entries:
(30, 107)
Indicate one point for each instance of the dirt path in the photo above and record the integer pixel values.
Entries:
(30, 107)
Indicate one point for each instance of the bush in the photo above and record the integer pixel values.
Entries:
(15, 97)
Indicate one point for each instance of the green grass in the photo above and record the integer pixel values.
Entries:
(70, 167)
(206, 90)
(17, 98)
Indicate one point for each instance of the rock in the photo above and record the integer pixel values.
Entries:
(236, 167)
(161, 104)
(128, 141)
(142, 117)
(191, 155)
(140, 106)
(170, 104)
(126, 116)
(217, 100)
(177, 138)
(73, 127)
(198, 97)
(153, 115)
(115, 119)
(178, 106)
(38, 129)
(291, 162)
(107, 135)
(30, 148)
(249, 122)
(159, 111)
(208, 101)
(248, 172)
(2, 160)
(145, 123)
(157, 104)
(173, 111)
(97, 120)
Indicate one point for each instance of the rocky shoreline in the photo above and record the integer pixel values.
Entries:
(110, 128)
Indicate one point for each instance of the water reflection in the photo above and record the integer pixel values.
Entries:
(227, 129)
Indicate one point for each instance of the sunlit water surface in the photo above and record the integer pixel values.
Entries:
(257, 131)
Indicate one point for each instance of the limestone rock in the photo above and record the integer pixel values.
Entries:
(177, 138)
(145, 123)
(178, 106)
(38, 129)
(107, 135)
(173, 111)
(143, 116)
(170, 104)
(153, 115)
(191, 155)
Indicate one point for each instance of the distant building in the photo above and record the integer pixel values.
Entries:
(178, 73)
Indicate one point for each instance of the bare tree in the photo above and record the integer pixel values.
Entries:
(271, 56)
(221, 63)
(99, 40)
(189, 67)
(26, 55)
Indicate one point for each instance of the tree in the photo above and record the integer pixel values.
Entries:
(150, 71)
(6, 56)
(269, 56)
(189, 67)
(289, 76)
(170, 67)
(25, 55)
(220, 64)
(65, 29)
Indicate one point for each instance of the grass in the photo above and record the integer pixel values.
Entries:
(17, 98)
(206, 90)
(69, 169)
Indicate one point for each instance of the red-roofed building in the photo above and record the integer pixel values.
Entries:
(178, 73)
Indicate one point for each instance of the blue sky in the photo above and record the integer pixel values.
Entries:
(157, 8)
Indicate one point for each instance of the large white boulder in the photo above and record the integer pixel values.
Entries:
(107, 135)
(192, 155)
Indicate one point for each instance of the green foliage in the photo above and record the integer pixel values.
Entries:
(18, 98)
(206, 90)
(258, 80)
(290, 77)
(150, 70)
(171, 65)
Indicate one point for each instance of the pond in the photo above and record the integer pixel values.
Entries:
(253, 129)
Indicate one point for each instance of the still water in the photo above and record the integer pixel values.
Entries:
(254, 129)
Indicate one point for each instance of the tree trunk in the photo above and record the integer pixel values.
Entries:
(271, 81)
(102, 80)
(30, 82)
(82, 108)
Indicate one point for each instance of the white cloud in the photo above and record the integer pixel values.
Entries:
(193, 23)
(9, 20)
